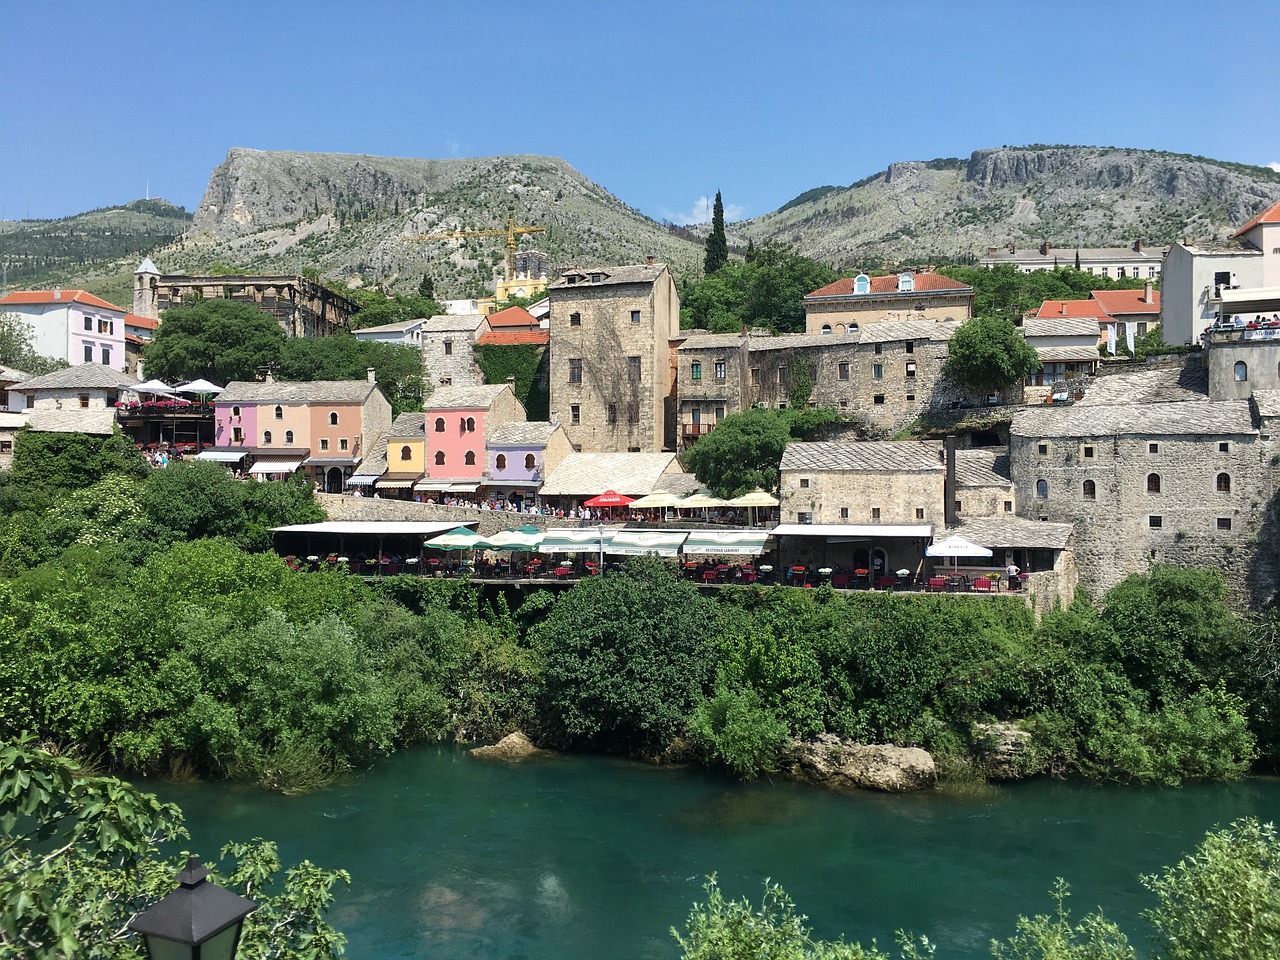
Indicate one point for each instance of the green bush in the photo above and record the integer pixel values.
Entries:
(735, 728)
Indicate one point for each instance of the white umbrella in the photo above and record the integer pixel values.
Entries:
(198, 386)
(956, 547)
(150, 386)
(659, 498)
(526, 538)
(459, 538)
(756, 498)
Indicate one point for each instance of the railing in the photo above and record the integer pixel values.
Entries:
(696, 429)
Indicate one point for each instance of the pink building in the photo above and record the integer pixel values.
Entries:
(71, 325)
(275, 427)
(457, 422)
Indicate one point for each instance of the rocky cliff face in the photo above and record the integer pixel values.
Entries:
(353, 216)
(1087, 196)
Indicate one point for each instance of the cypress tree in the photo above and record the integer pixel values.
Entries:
(717, 245)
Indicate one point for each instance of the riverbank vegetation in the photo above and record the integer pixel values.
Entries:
(143, 622)
(1221, 902)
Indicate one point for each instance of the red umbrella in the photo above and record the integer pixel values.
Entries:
(610, 498)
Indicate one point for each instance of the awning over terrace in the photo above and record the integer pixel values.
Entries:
(271, 465)
(397, 481)
(665, 543)
(575, 539)
(726, 543)
(222, 456)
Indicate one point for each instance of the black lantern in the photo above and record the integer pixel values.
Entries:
(198, 921)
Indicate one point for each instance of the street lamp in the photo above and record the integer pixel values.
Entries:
(600, 531)
(198, 921)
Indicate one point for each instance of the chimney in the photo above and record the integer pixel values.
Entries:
(371, 374)
(1062, 308)
(1011, 248)
(511, 382)
(1186, 241)
(57, 293)
(1045, 248)
(991, 251)
(1146, 292)
(269, 377)
(649, 261)
(1137, 246)
(949, 483)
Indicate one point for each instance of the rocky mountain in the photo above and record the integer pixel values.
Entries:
(353, 217)
(955, 208)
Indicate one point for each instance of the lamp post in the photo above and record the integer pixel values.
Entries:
(198, 921)
(600, 532)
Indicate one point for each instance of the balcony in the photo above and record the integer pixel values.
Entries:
(692, 431)
(161, 409)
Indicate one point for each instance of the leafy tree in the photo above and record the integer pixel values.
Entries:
(427, 288)
(1057, 938)
(766, 291)
(219, 340)
(743, 452)
(735, 728)
(17, 348)
(398, 368)
(717, 247)
(626, 657)
(989, 353)
(1223, 901)
(376, 308)
(78, 862)
(70, 461)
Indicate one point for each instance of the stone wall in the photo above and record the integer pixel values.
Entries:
(849, 496)
(455, 368)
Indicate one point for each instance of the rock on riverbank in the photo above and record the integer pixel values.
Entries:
(514, 746)
(846, 765)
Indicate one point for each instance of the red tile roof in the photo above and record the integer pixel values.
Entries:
(513, 317)
(22, 297)
(1127, 301)
(925, 283)
(510, 337)
(146, 323)
(1269, 215)
(1074, 308)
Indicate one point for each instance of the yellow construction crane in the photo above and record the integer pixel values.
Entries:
(511, 232)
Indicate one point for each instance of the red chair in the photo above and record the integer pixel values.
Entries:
(982, 583)
(840, 581)
(887, 582)
(710, 576)
(937, 584)
(562, 573)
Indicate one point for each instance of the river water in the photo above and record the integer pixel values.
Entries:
(579, 858)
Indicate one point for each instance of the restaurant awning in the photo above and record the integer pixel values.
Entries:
(222, 456)
(267, 465)
(446, 486)
(363, 479)
(397, 481)
(575, 539)
(724, 543)
(854, 532)
(323, 461)
(665, 543)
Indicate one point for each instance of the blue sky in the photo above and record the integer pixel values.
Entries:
(662, 103)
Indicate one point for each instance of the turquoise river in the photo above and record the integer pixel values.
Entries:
(585, 858)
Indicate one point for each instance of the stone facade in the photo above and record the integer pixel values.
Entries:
(1163, 475)
(872, 482)
(448, 355)
(610, 369)
(849, 303)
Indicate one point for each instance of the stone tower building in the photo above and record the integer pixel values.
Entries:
(610, 366)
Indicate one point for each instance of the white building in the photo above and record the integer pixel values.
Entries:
(1116, 262)
(71, 325)
(1196, 275)
(406, 333)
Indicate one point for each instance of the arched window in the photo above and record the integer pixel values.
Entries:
(406, 453)
(333, 418)
(1042, 489)
(1153, 483)
(862, 283)
(1242, 371)
(471, 424)
(288, 437)
(235, 411)
(840, 328)
(439, 424)
(906, 282)
(1090, 490)
(501, 461)
(470, 458)
(439, 458)
(266, 438)
(1224, 483)
(529, 461)
(280, 412)
(826, 329)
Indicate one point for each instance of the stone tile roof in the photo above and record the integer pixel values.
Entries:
(83, 376)
(1161, 384)
(450, 322)
(32, 297)
(882, 286)
(1127, 301)
(1078, 353)
(881, 331)
(890, 331)
(588, 474)
(681, 484)
(410, 425)
(534, 433)
(1010, 531)
(1268, 402)
(1186, 418)
(630, 273)
(96, 422)
(480, 396)
(712, 341)
(982, 468)
(1269, 215)
(296, 391)
(876, 456)
(13, 374)
(1060, 326)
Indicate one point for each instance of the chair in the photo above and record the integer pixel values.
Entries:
(955, 584)
(840, 581)
(562, 573)
(710, 576)
(982, 583)
(937, 584)
(887, 582)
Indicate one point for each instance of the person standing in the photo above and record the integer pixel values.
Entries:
(1012, 572)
